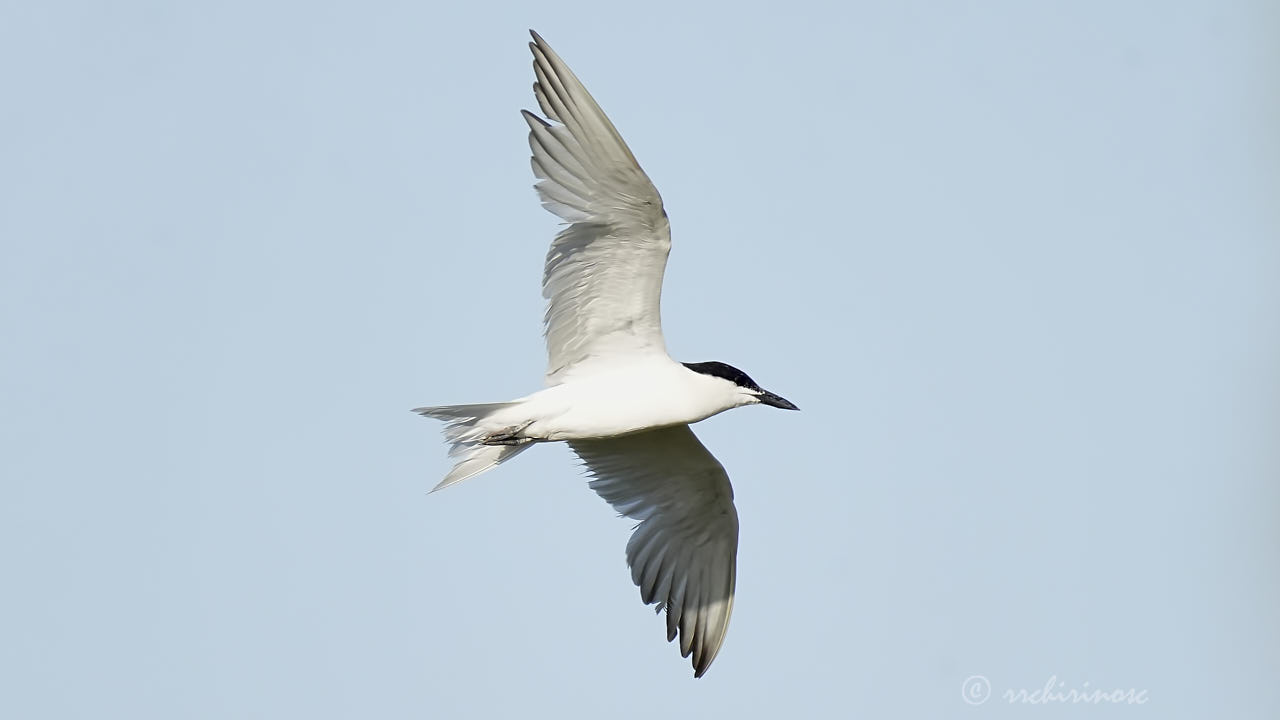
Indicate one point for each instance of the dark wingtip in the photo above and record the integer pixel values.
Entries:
(530, 118)
(700, 665)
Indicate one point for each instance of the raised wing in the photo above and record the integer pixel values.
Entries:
(683, 553)
(603, 275)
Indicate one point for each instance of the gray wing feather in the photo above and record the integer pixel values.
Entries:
(603, 274)
(683, 553)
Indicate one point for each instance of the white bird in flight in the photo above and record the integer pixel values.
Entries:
(614, 395)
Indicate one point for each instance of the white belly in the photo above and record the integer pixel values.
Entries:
(620, 401)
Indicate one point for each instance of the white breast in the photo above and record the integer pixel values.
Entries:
(620, 399)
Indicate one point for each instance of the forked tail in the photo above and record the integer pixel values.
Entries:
(464, 426)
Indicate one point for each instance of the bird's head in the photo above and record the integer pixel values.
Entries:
(746, 389)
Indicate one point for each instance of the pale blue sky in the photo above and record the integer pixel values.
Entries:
(1017, 261)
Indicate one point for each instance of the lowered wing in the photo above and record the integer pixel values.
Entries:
(683, 553)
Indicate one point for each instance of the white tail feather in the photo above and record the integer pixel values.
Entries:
(464, 427)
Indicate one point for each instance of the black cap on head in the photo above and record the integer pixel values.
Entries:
(742, 380)
(726, 371)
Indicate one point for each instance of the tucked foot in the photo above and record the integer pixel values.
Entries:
(508, 436)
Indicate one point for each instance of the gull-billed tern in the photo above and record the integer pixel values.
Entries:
(614, 395)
